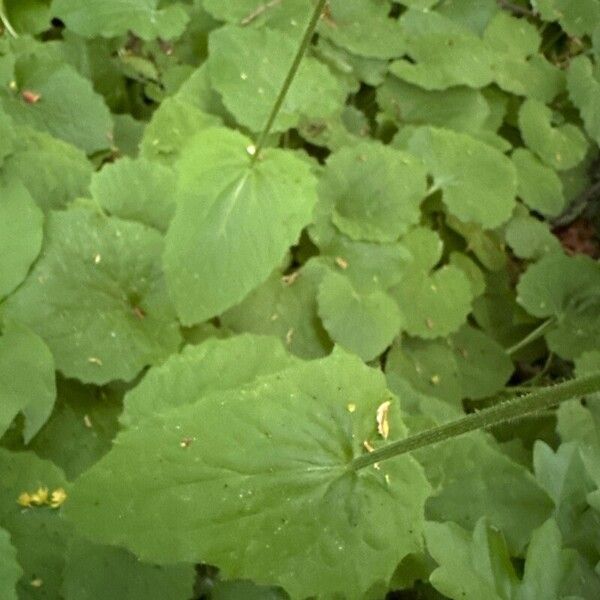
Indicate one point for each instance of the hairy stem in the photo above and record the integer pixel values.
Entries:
(537, 333)
(306, 39)
(496, 415)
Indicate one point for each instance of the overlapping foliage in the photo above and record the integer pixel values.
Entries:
(199, 336)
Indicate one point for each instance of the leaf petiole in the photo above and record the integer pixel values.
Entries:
(537, 333)
(305, 42)
(489, 417)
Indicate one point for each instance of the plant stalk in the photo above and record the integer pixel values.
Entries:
(6, 23)
(537, 333)
(306, 39)
(489, 417)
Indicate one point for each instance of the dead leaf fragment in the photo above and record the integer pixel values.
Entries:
(383, 426)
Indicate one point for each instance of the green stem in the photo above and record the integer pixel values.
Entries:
(489, 417)
(537, 333)
(6, 23)
(306, 39)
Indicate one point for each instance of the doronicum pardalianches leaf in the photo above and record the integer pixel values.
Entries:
(468, 364)
(111, 18)
(576, 18)
(38, 532)
(248, 66)
(197, 370)
(27, 380)
(375, 191)
(364, 322)
(10, 570)
(53, 171)
(21, 233)
(423, 292)
(568, 290)
(442, 53)
(363, 27)
(539, 185)
(583, 81)
(562, 147)
(136, 190)
(257, 481)
(93, 572)
(285, 306)
(63, 104)
(97, 297)
(234, 221)
(479, 183)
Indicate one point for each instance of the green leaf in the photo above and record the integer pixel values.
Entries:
(67, 106)
(469, 364)
(7, 136)
(480, 567)
(116, 17)
(459, 108)
(375, 191)
(561, 147)
(576, 18)
(442, 53)
(530, 238)
(248, 66)
(39, 534)
(234, 221)
(10, 570)
(364, 323)
(136, 190)
(286, 307)
(478, 182)
(583, 82)
(289, 15)
(21, 233)
(98, 298)
(567, 289)
(54, 172)
(518, 67)
(290, 482)
(539, 186)
(28, 16)
(94, 572)
(27, 382)
(79, 431)
(423, 293)
(363, 28)
(211, 366)
(234, 590)
(171, 128)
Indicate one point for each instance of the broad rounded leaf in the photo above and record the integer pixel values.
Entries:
(27, 380)
(576, 18)
(213, 365)
(137, 190)
(584, 88)
(21, 233)
(424, 294)
(234, 221)
(364, 322)
(248, 66)
(240, 474)
(568, 289)
(539, 186)
(562, 147)
(375, 191)
(98, 298)
(478, 182)
(531, 239)
(363, 27)
(111, 18)
(10, 570)
(67, 105)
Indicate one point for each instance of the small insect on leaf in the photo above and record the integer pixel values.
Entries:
(30, 96)
(40, 497)
(57, 498)
(24, 500)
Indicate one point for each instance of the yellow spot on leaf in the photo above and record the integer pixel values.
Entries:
(57, 498)
(24, 500)
(351, 407)
(341, 263)
(40, 497)
(368, 447)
